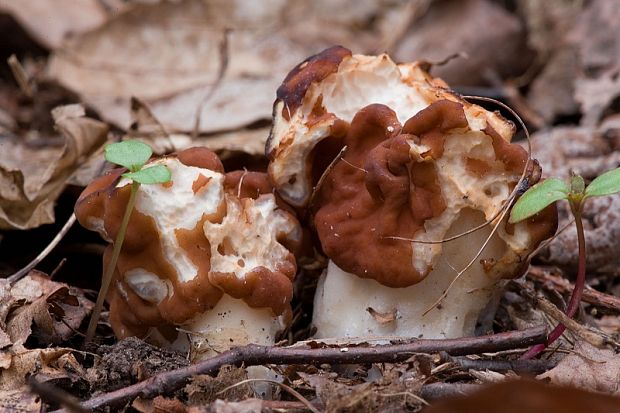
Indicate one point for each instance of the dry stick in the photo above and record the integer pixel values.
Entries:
(592, 336)
(436, 391)
(20, 75)
(63, 231)
(55, 395)
(590, 295)
(253, 355)
(223, 49)
(518, 366)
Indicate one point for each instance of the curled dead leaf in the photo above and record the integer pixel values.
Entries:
(32, 177)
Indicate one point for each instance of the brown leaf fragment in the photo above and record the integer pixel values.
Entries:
(32, 177)
(51, 22)
(54, 309)
(159, 405)
(382, 318)
(500, 47)
(588, 368)
(206, 389)
(27, 362)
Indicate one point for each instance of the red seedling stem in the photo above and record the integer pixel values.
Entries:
(576, 206)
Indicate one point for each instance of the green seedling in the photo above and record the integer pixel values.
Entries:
(132, 155)
(577, 193)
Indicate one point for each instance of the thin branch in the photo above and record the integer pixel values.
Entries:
(554, 282)
(592, 336)
(530, 367)
(20, 75)
(436, 391)
(55, 395)
(63, 231)
(252, 355)
(223, 49)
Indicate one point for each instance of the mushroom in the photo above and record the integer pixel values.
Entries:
(386, 158)
(208, 253)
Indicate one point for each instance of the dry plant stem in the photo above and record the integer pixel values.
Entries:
(55, 395)
(595, 337)
(107, 277)
(576, 207)
(253, 355)
(63, 231)
(529, 367)
(20, 75)
(437, 391)
(555, 282)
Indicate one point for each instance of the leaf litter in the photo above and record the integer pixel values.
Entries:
(186, 63)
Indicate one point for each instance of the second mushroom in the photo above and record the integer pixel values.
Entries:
(390, 162)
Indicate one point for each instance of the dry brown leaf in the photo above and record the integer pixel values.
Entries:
(27, 362)
(49, 22)
(598, 35)
(32, 177)
(56, 310)
(499, 47)
(19, 401)
(159, 405)
(216, 61)
(588, 368)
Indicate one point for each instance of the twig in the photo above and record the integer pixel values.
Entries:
(63, 231)
(20, 75)
(220, 76)
(436, 391)
(518, 366)
(592, 336)
(287, 388)
(556, 283)
(252, 355)
(55, 395)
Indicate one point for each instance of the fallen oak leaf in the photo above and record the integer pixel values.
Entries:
(588, 368)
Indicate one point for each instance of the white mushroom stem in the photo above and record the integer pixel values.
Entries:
(343, 300)
(229, 324)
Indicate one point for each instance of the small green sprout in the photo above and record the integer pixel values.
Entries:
(133, 155)
(577, 193)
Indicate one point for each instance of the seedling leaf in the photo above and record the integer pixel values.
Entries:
(157, 174)
(538, 198)
(131, 154)
(606, 184)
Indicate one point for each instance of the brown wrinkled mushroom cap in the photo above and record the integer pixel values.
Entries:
(189, 241)
(415, 156)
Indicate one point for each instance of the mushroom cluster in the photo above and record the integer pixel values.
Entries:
(208, 252)
(389, 162)
(406, 184)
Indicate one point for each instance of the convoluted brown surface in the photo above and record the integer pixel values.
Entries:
(179, 296)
